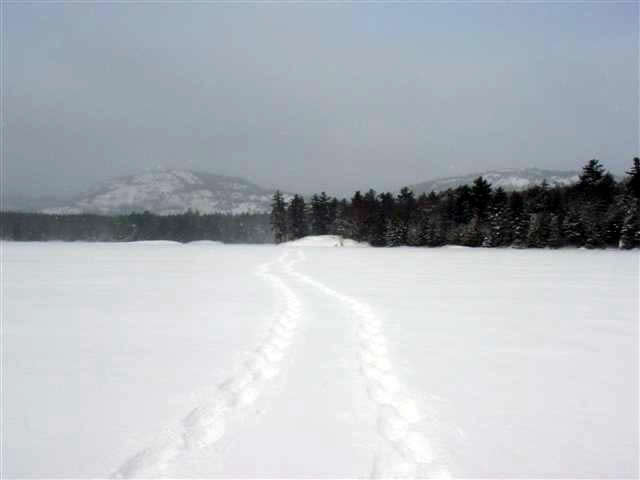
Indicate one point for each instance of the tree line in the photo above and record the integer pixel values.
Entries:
(596, 212)
(186, 227)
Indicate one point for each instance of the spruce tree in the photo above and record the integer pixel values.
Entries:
(394, 233)
(520, 229)
(630, 232)
(498, 232)
(555, 239)
(538, 233)
(319, 214)
(480, 197)
(296, 216)
(633, 182)
(279, 217)
(472, 235)
(573, 229)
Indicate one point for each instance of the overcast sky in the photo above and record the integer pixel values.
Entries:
(310, 97)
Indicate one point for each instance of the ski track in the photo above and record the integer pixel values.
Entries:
(205, 425)
(397, 413)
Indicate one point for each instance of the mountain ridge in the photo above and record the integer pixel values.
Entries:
(168, 192)
(507, 178)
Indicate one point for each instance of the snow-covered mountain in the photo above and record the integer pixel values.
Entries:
(169, 192)
(508, 179)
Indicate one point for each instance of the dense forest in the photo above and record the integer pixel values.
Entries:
(187, 227)
(596, 212)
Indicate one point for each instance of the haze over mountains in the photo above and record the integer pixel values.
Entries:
(167, 192)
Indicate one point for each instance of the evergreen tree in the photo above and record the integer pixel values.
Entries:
(472, 235)
(520, 229)
(630, 232)
(592, 174)
(332, 212)
(369, 217)
(555, 239)
(498, 233)
(296, 216)
(279, 217)
(573, 229)
(595, 183)
(538, 233)
(633, 182)
(405, 210)
(394, 233)
(358, 217)
(320, 214)
(480, 197)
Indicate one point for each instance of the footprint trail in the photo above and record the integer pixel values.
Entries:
(410, 453)
(206, 424)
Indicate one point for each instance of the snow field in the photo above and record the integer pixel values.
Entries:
(206, 424)
(215, 361)
(397, 411)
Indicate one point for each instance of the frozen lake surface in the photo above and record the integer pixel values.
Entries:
(157, 359)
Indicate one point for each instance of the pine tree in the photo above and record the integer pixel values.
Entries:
(556, 239)
(370, 230)
(591, 174)
(296, 216)
(630, 232)
(595, 183)
(405, 210)
(633, 182)
(419, 229)
(472, 235)
(498, 233)
(520, 229)
(394, 234)
(480, 196)
(592, 218)
(358, 217)
(319, 214)
(332, 213)
(279, 217)
(573, 229)
(538, 232)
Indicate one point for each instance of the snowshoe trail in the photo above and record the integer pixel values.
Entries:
(207, 423)
(409, 452)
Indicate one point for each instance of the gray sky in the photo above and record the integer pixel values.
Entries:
(311, 97)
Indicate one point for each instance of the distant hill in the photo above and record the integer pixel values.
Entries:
(169, 192)
(508, 179)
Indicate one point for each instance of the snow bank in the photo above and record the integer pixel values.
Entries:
(324, 241)
(205, 242)
(154, 243)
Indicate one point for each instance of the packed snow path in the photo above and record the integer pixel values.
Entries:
(397, 412)
(406, 452)
(207, 423)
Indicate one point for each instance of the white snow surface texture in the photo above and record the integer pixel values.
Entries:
(158, 359)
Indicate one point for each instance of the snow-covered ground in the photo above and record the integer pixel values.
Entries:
(203, 360)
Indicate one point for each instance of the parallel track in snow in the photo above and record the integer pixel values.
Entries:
(397, 413)
(206, 424)
(408, 452)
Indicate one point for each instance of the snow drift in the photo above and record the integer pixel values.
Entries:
(324, 241)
